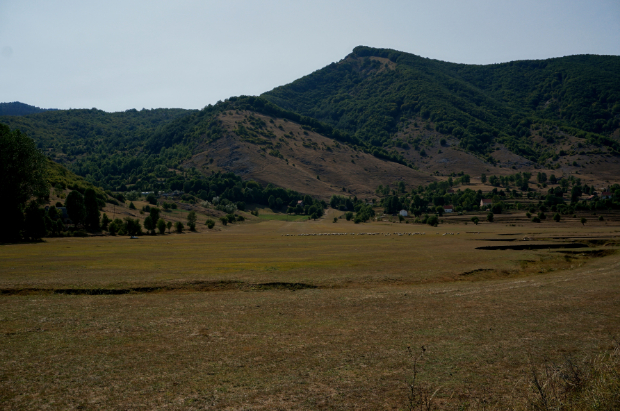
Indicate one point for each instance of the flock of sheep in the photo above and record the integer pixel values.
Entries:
(384, 234)
(321, 234)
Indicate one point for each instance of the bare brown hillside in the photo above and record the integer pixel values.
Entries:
(280, 152)
(422, 145)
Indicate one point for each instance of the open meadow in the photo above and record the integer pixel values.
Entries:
(274, 314)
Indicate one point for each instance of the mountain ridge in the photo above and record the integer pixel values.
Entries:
(478, 104)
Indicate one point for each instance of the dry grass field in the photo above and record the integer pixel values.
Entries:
(255, 316)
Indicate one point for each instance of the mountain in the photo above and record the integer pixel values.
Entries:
(376, 94)
(19, 109)
(377, 117)
(168, 149)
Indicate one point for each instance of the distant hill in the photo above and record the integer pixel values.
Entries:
(19, 109)
(376, 93)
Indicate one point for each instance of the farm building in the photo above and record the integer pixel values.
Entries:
(403, 213)
(448, 208)
(486, 202)
(605, 195)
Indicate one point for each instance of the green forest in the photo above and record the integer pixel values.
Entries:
(372, 92)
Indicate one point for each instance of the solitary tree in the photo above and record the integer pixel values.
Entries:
(105, 220)
(91, 207)
(490, 217)
(191, 220)
(475, 220)
(34, 227)
(210, 223)
(556, 217)
(149, 224)
(169, 226)
(161, 226)
(154, 213)
(439, 210)
(75, 207)
(179, 227)
(483, 178)
(583, 221)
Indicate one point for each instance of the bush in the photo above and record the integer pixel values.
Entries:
(335, 219)
(348, 215)
(432, 220)
(210, 223)
(151, 199)
(535, 219)
(224, 220)
(131, 206)
(231, 218)
(80, 233)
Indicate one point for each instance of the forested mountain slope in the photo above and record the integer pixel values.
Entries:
(167, 149)
(103, 147)
(19, 109)
(376, 93)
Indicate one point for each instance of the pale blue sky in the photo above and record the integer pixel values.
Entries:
(116, 55)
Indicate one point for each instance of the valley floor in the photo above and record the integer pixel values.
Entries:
(258, 316)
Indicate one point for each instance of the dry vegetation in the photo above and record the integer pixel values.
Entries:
(304, 155)
(249, 318)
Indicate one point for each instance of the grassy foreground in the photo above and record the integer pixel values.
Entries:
(250, 318)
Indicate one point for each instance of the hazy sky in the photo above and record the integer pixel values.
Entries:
(116, 55)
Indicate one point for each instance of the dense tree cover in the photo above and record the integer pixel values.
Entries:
(141, 150)
(228, 192)
(107, 149)
(372, 91)
(363, 211)
(19, 109)
(27, 176)
(23, 185)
